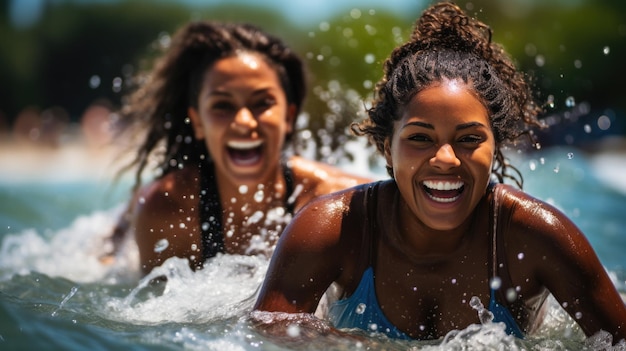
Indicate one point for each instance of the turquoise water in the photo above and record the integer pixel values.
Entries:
(56, 295)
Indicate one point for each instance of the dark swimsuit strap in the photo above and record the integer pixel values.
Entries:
(497, 253)
(211, 208)
(370, 229)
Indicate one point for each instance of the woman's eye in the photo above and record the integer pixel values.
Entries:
(222, 106)
(472, 139)
(419, 138)
(263, 104)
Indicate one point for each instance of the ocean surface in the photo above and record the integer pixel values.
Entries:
(57, 207)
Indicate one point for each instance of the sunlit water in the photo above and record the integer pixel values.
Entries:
(56, 295)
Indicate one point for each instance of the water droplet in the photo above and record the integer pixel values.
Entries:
(360, 308)
(355, 13)
(373, 327)
(205, 226)
(570, 155)
(556, 168)
(370, 58)
(540, 60)
(520, 256)
(243, 189)
(532, 165)
(187, 120)
(604, 122)
(293, 330)
(511, 295)
(578, 64)
(161, 245)
(606, 50)
(495, 283)
(94, 81)
(587, 128)
(550, 101)
(578, 315)
(258, 196)
(570, 101)
(453, 281)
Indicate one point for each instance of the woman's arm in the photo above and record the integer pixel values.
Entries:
(307, 258)
(565, 262)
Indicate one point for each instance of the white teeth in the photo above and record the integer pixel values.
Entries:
(440, 185)
(244, 145)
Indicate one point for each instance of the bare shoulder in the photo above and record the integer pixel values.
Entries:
(326, 220)
(166, 195)
(533, 215)
(317, 178)
(533, 223)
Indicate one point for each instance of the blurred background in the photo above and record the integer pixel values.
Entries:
(65, 65)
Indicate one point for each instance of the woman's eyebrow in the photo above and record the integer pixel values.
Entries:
(469, 125)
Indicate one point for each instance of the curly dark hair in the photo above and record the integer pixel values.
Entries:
(158, 108)
(448, 44)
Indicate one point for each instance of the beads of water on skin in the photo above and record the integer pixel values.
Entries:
(243, 189)
(258, 196)
(578, 315)
(360, 308)
(570, 101)
(181, 225)
(205, 226)
(161, 245)
(520, 256)
(373, 327)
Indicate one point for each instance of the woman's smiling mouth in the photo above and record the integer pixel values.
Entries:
(443, 191)
(245, 153)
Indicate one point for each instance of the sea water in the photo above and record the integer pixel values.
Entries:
(55, 293)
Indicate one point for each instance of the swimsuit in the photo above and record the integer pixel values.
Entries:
(211, 208)
(361, 310)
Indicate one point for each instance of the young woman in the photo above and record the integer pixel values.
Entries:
(419, 255)
(216, 112)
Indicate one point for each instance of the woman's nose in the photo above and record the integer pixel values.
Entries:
(445, 158)
(244, 120)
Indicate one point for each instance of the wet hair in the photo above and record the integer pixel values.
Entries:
(158, 108)
(447, 44)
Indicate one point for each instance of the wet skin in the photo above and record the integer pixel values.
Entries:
(432, 245)
(243, 116)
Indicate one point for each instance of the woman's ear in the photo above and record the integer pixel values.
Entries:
(196, 123)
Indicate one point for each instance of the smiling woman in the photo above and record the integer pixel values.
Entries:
(441, 245)
(217, 112)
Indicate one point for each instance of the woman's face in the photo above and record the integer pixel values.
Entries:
(441, 153)
(243, 116)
